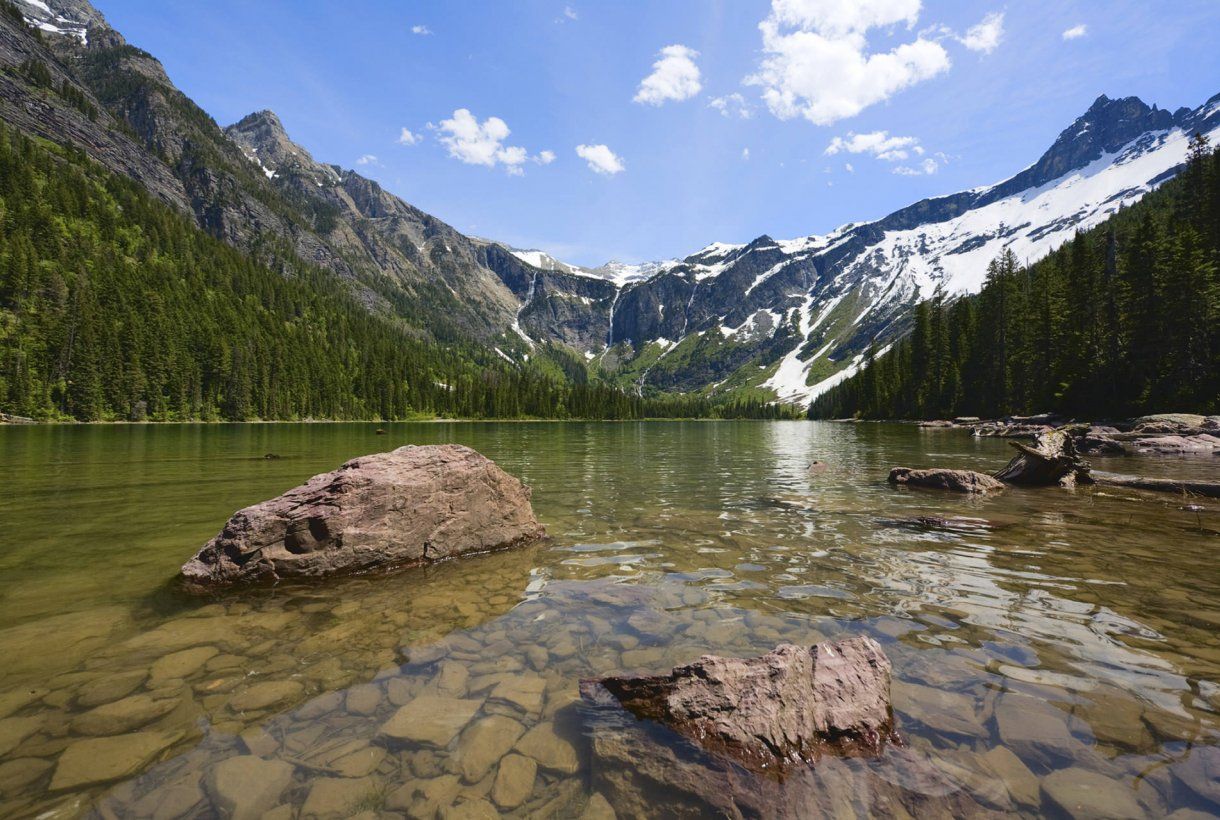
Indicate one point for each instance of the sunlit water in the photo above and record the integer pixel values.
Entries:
(1056, 653)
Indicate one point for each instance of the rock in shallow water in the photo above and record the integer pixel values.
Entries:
(413, 505)
(960, 481)
(785, 707)
(103, 759)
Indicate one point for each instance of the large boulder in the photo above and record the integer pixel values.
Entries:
(959, 481)
(1182, 424)
(412, 506)
(785, 707)
(727, 737)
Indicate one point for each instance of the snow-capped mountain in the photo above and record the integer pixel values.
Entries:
(620, 273)
(791, 317)
(797, 316)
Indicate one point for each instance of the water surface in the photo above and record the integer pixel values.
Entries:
(1050, 647)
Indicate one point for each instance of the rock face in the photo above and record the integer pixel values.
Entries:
(959, 481)
(414, 505)
(783, 708)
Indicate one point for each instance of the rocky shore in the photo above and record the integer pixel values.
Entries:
(1162, 434)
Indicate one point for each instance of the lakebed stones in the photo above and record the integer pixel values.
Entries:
(770, 712)
(246, 786)
(431, 720)
(414, 505)
(1086, 795)
(514, 781)
(103, 759)
(960, 481)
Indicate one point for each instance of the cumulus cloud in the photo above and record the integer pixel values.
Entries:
(985, 37)
(1076, 32)
(601, 159)
(745, 153)
(817, 64)
(878, 143)
(476, 143)
(368, 159)
(423, 31)
(570, 13)
(407, 137)
(732, 105)
(674, 77)
(925, 168)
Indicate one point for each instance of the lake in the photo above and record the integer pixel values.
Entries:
(1053, 650)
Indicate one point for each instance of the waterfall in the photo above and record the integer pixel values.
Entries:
(610, 332)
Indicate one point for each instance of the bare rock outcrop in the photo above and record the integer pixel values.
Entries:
(960, 481)
(784, 708)
(414, 505)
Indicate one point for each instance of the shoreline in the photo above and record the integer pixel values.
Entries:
(36, 423)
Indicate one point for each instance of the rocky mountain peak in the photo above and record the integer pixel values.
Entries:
(263, 139)
(1104, 128)
(74, 20)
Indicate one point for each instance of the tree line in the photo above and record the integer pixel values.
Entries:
(1122, 320)
(113, 306)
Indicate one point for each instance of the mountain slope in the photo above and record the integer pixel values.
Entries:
(795, 316)
(1123, 320)
(768, 318)
(396, 259)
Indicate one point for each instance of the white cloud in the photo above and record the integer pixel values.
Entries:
(732, 105)
(570, 13)
(1076, 32)
(368, 159)
(985, 37)
(849, 168)
(545, 157)
(745, 153)
(878, 143)
(423, 31)
(925, 168)
(601, 159)
(839, 18)
(817, 64)
(674, 77)
(476, 143)
(407, 137)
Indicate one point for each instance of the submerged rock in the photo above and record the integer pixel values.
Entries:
(103, 759)
(246, 786)
(414, 505)
(767, 713)
(959, 481)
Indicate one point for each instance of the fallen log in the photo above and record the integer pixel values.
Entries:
(1052, 460)
(1209, 489)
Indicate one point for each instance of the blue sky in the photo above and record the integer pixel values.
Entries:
(923, 98)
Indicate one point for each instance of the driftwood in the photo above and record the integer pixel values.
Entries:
(1209, 489)
(1052, 460)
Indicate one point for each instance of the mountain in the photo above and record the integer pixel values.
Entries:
(154, 265)
(768, 318)
(797, 316)
(1123, 320)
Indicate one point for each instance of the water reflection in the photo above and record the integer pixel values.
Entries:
(1041, 639)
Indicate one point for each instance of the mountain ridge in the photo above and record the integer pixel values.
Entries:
(779, 318)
